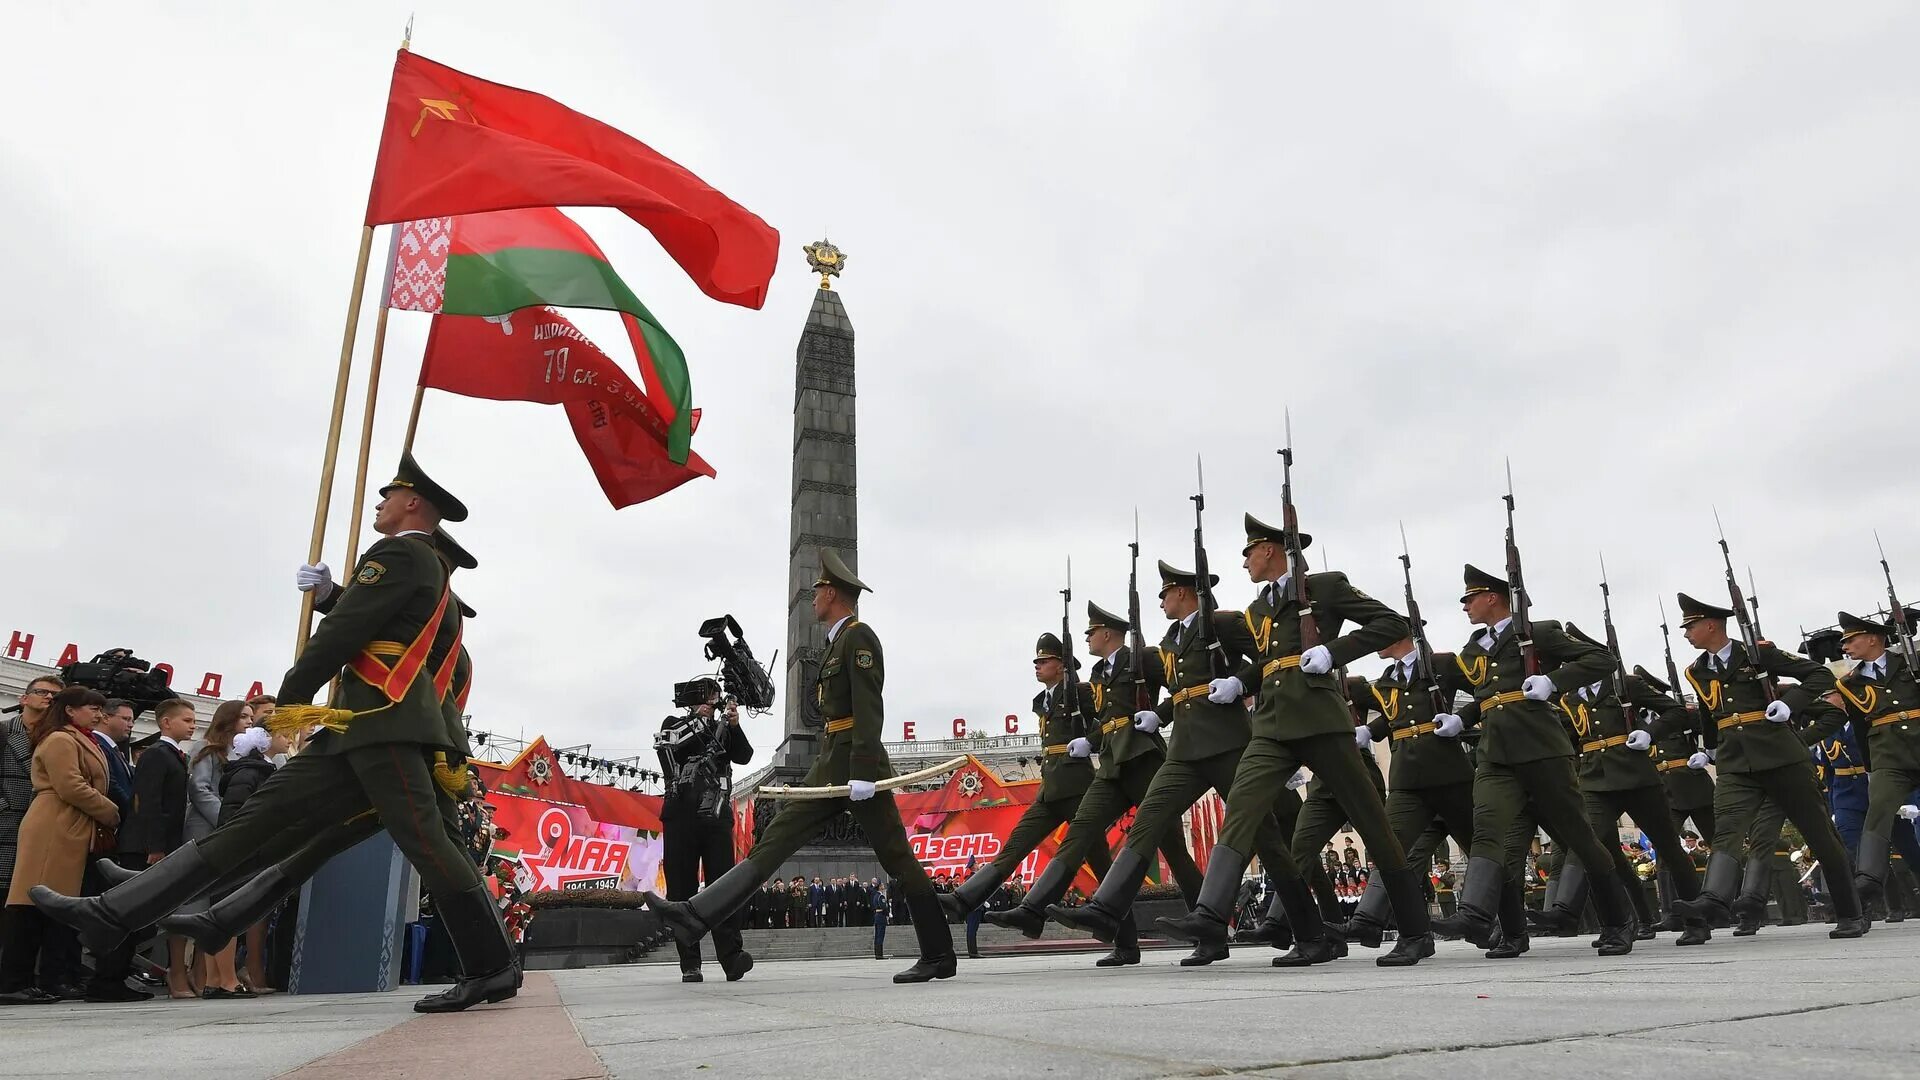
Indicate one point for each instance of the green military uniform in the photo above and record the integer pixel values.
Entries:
(1203, 753)
(1689, 790)
(1321, 817)
(1525, 762)
(1301, 718)
(1760, 759)
(1127, 760)
(1882, 698)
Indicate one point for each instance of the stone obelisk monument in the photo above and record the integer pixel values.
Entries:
(825, 498)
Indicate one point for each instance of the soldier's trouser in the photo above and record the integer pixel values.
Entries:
(1739, 802)
(1411, 812)
(1702, 820)
(800, 820)
(1179, 784)
(1647, 806)
(1105, 801)
(1787, 889)
(688, 846)
(314, 792)
(1887, 789)
(1321, 816)
(1547, 791)
(1261, 779)
(1034, 826)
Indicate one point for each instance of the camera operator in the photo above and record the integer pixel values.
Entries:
(697, 752)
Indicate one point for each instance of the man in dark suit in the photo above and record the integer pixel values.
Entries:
(109, 981)
(156, 823)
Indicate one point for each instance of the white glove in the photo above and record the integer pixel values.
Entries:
(1447, 725)
(1079, 748)
(1147, 720)
(1908, 812)
(314, 578)
(1698, 759)
(1225, 691)
(1537, 688)
(1317, 660)
(1639, 739)
(1299, 779)
(1363, 736)
(860, 790)
(1779, 712)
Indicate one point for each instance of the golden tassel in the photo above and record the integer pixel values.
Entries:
(451, 778)
(297, 719)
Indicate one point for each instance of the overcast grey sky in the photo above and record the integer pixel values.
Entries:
(1661, 254)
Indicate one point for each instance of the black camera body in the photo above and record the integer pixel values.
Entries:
(118, 673)
(746, 681)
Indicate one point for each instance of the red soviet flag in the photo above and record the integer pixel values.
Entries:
(455, 144)
(537, 354)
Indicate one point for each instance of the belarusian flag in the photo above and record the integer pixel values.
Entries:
(497, 263)
(455, 144)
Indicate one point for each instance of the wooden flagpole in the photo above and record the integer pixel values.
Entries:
(333, 429)
(413, 418)
(373, 393)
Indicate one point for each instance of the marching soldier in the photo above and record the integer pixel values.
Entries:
(1689, 790)
(1761, 757)
(852, 674)
(1301, 717)
(391, 640)
(1209, 737)
(1618, 777)
(1881, 697)
(1129, 757)
(1525, 759)
(1067, 733)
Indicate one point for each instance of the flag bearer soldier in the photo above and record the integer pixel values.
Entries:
(852, 674)
(1129, 757)
(1301, 717)
(1881, 698)
(1525, 760)
(1209, 735)
(1761, 757)
(391, 639)
(1617, 776)
(1069, 734)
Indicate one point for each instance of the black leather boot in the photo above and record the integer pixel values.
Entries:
(1111, 902)
(1870, 868)
(1206, 924)
(106, 920)
(214, 928)
(1750, 907)
(1030, 917)
(1313, 941)
(1511, 940)
(1479, 900)
(490, 970)
(1670, 921)
(1849, 915)
(936, 941)
(1410, 915)
(113, 873)
(1271, 928)
(1369, 923)
(1721, 886)
(691, 920)
(971, 894)
(736, 965)
(1126, 947)
(1561, 916)
(1644, 923)
(1610, 903)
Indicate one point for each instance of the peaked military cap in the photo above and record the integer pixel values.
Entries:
(1479, 581)
(835, 573)
(1648, 678)
(1171, 576)
(412, 477)
(1098, 616)
(1580, 635)
(1853, 625)
(449, 548)
(1692, 611)
(1259, 532)
(1050, 648)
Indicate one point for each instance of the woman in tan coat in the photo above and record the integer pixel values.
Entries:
(70, 807)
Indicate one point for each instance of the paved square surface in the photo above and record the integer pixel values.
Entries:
(1788, 1002)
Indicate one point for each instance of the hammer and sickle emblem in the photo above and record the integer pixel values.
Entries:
(436, 107)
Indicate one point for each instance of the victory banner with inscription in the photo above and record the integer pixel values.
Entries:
(566, 834)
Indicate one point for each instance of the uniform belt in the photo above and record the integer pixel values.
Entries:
(1055, 751)
(1602, 744)
(1908, 714)
(1280, 664)
(1510, 697)
(1190, 693)
(1741, 719)
(839, 724)
(1850, 770)
(1410, 732)
(1669, 766)
(1115, 724)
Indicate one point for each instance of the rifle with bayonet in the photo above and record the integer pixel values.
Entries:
(1749, 620)
(1208, 635)
(1077, 719)
(1517, 592)
(1902, 626)
(1296, 557)
(1627, 713)
(1136, 641)
(1423, 659)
